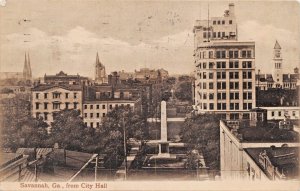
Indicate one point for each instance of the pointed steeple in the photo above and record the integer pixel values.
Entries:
(277, 46)
(27, 68)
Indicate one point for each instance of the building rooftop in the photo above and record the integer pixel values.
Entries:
(7, 158)
(268, 132)
(71, 87)
(286, 159)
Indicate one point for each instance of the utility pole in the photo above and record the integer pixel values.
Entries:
(96, 168)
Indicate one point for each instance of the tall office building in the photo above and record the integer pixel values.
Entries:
(224, 68)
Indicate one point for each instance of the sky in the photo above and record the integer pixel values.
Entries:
(66, 35)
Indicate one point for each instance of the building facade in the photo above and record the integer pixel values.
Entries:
(236, 137)
(224, 68)
(49, 99)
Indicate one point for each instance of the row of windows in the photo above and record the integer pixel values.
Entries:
(55, 105)
(223, 22)
(55, 95)
(222, 75)
(222, 106)
(92, 115)
(226, 54)
(92, 124)
(222, 96)
(280, 113)
(245, 64)
(103, 106)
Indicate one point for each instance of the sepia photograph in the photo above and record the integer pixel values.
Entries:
(149, 95)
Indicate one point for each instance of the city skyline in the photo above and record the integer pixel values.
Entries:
(133, 34)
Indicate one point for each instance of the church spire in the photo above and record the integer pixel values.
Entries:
(27, 68)
(277, 46)
(100, 73)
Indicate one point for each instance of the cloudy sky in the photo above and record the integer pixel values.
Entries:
(66, 35)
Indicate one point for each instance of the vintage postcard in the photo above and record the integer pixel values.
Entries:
(149, 95)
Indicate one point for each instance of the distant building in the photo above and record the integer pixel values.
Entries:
(278, 79)
(64, 78)
(26, 75)
(281, 113)
(224, 68)
(100, 73)
(238, 137)
(102, 99)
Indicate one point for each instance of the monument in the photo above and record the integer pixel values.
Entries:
(163, 144)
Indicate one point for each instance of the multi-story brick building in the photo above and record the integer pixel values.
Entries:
(224, 68)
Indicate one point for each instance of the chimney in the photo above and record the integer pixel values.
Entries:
(231, 9)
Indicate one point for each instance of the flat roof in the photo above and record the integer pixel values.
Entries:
(268, 132)
(7, 158)
(286, 159)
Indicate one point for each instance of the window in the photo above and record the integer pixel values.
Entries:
(98, 115)
(45, 95)
(97, 107)
(236, 64)
(236, 54)
(230, 64)
(211, 96)
(204, 96)
(91, 115)
(75, 105)
(221, 54)
(92, 124)
(211, 75)
(56, 105)
(214, 34)
(224, 64)
(211, 54)
(67, 95)
(204, 65)
(45, 105)
(67, 105)
(231, 106)
(223, 75)
(218, 75)
(230, 22)
(219, 106)
(85, 106)
(75, 95)
(248, 53)
(37, 96)
(204, 85)
(46, 116)
(91, 106)
(219, 22)
(85, 123)
(103, 114)
(236, 106)
(103, 106)
(110, 106)
(214, 22)
(204, 34)
(223, 34)
(249, 64)
(224, 106)
(245, 106)
(204, 75)
(85, 114)
(219, 34)
(244, 54)
(211, 65)
(279, 113)
(223, 22)
(211, 106)
(223, 85)
(230, 54)
(37, 105)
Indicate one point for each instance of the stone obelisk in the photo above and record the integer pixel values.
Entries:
(163, 122)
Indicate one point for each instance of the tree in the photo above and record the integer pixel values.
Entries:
(70, 132)
(184, 91)
(202, 133)
(18, 127)
(112, 133)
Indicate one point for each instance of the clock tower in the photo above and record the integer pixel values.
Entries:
(277, 61)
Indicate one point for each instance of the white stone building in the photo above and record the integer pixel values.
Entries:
(224, 68)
